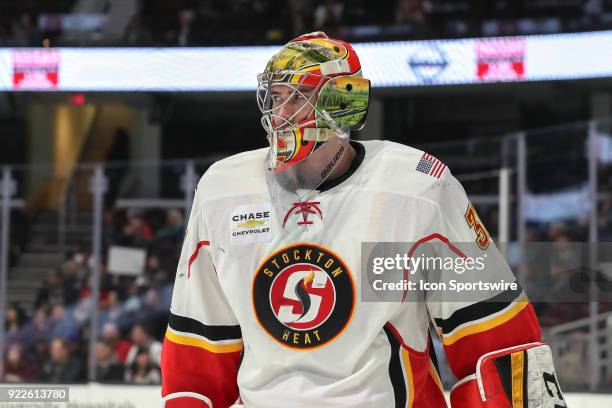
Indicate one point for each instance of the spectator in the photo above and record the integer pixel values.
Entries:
(136, 233)
(410, 11)
(210, 19)
(156, 276)
(52, 291)
(113, 311)
(110, 232)
(328, 16)
(297, 16)
(207, 10)
(175, 226)
(24, 33)
(83, 309)
(143, 230)
(121, 347)
(118, 156)
(605, 220)
(62, 367)
(19, 227)
(132, 303)
(64, 324)
(536, 277)
(4, 40)
(84, 260)
(151, 304)
(37, 330)
(105, 287)
(186, 35)
(564, 261)
(137, 33)
(261, 8)
(142, 371)
(72, 281)
(15, 319)
(108, 368)
(41, 351)
(16, 368)
(142, 340)
(593, 10)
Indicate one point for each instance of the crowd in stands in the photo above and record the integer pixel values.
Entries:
(19, 20)
(242, 22)
(51, 346)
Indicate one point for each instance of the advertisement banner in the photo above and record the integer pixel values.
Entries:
(386, 64)
(500, 59)
(36, 69)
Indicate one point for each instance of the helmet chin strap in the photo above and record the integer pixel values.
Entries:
(318, 134)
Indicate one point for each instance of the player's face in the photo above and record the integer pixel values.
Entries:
(292, 105)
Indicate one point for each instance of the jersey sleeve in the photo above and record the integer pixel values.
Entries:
(486, 321)
(203, 343)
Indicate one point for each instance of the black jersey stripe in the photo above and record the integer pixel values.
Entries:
(504, 368)
(479, 310)
(213, 333)
(396, 374)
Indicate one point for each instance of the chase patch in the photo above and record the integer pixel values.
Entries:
(251, 223)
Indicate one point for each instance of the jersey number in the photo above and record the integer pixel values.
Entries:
(473, 221)
(556, 393)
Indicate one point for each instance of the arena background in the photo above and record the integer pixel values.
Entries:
(111, 110)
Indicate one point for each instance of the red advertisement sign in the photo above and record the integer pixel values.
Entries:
(500, 59)
(35, 69)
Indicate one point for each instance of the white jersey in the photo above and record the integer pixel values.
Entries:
(268, 304)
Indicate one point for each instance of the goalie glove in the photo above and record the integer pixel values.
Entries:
(517, 377)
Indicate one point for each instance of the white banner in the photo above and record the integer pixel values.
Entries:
(126, 396)
(387, 64)
(126, 260)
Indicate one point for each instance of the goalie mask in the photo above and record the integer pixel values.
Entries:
(311, 95)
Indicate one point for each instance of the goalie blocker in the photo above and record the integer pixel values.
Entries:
(517, 377)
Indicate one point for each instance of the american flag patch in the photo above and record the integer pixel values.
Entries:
(430, 165)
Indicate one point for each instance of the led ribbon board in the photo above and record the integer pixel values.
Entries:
(387, 64)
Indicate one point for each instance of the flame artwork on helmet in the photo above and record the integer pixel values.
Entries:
(311, 90)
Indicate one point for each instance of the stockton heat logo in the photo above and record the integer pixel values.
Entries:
(303, 296)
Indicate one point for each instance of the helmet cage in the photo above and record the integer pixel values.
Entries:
(268, 106)
(292, 141)
(338, 103)
(328, 97)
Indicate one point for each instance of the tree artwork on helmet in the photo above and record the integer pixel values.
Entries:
(311, 93)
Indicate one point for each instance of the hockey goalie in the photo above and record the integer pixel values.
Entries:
(267, 309)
